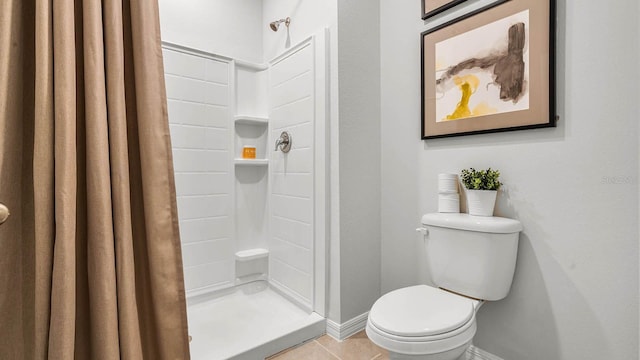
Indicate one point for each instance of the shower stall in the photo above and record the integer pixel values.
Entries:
(252, 216)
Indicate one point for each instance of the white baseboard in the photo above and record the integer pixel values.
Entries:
(347, 328)
(358, 323)
(475, 353)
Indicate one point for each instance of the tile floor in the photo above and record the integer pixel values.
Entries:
(357, 347)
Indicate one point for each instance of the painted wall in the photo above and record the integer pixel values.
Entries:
(574, 187)
(240, 28)
(359, 151)
(223, 27)
(307, 18)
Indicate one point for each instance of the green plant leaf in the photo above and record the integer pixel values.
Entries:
(480, 179)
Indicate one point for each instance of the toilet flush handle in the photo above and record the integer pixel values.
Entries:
(424, 231)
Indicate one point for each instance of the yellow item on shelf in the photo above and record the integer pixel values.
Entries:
(249, 152)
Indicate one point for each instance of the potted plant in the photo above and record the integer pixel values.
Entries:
(482, 188)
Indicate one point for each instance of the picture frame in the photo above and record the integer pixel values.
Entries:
(492, 70)
(438, 12)
(433, 7)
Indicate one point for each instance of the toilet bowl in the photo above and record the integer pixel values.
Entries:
(422, 322)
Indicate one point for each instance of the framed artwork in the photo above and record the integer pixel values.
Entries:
(437, 12)
(434, 7)
(491, 71)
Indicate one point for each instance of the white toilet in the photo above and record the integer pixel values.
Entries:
(471, 259)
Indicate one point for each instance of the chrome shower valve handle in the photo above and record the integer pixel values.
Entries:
(284, 142)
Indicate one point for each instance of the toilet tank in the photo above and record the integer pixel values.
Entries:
(472, 255)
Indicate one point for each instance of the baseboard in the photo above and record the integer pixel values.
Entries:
(358, 323)
(475, 353)
(347, 328)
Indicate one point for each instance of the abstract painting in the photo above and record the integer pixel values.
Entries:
(483, 71)
(492, 71)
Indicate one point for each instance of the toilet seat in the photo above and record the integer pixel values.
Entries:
(421, 311)
(421, 320)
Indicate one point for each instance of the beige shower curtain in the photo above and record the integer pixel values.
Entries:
(90, 262)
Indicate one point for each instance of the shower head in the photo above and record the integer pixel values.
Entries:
(276, 24)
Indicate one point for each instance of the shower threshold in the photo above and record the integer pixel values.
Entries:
(248, 322)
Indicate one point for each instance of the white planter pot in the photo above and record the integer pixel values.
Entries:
(481, 202)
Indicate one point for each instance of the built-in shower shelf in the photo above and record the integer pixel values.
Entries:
(252, 254)
(252, 162)
(250, 120)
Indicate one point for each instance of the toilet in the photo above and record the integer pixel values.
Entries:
(471, 259)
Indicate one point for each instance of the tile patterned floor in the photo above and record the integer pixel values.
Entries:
(357, 347)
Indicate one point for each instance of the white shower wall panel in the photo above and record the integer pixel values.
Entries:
(203, 206)
(292, 108)
(298, 185)
(196, 90)
(286, 112)
(197, 114)
(297, 161)
(292, 208)
(205, 183)
(292, 281)
(294, 232)
(198, 99)
(197, 161)
(292, 67)
(286, 94)
(299, 254)
(197, 230)
(195, 137)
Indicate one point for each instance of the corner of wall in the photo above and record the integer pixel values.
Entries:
(359, 163)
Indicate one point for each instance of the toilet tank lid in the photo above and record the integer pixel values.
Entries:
(487, 224)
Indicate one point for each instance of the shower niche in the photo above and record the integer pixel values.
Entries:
(251, 124)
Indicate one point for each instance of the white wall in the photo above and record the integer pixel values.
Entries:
(575, 292)
(198, 102)
(307, 18)
(240, 28)
(231, 28)
(359, 151)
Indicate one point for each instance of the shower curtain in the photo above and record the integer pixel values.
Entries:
(90, 261)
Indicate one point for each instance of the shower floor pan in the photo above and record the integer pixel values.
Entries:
(248, 322)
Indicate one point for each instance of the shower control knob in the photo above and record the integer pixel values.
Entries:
(284, 142)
